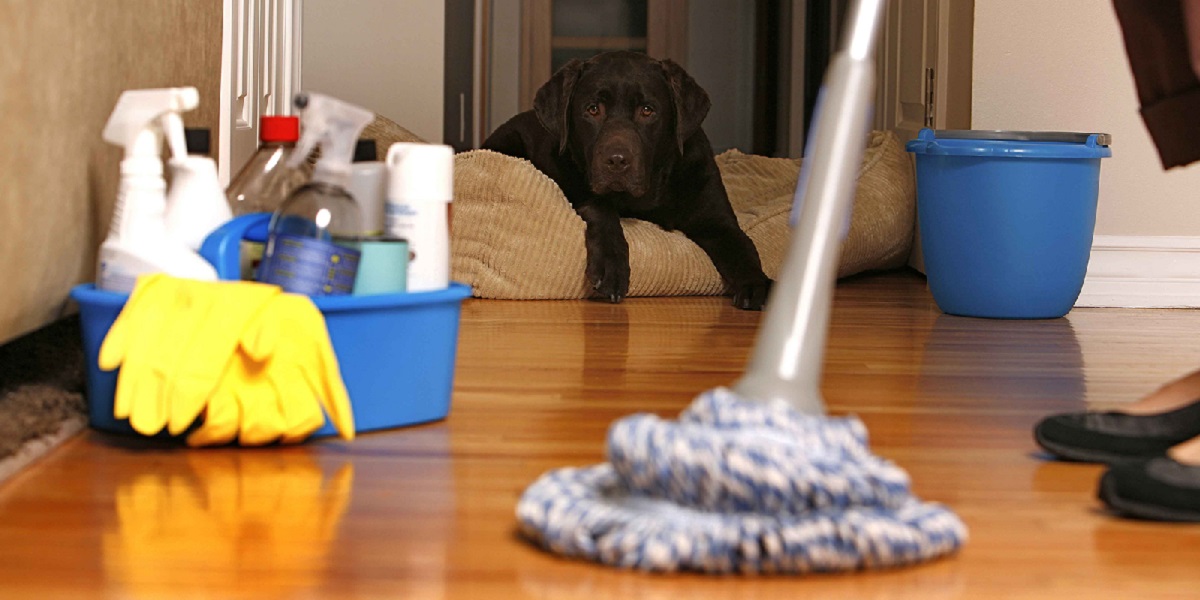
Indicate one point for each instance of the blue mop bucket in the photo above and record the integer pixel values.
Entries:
(396, 351)
(1006, 218)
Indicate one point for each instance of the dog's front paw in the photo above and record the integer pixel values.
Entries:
(752, 296)
(609, 277)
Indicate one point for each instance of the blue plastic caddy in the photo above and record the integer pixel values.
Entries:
(396, 351)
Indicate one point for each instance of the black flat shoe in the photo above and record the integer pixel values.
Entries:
(1158, 489)
(1113, 436)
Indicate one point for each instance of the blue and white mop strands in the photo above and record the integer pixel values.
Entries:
(738, 486)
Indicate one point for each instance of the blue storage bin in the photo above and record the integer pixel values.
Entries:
(1006, 218)
(396, 351)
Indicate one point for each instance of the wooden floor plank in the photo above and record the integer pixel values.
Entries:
(427, 511)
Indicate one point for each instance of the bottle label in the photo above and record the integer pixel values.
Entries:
(251, 255)
(400, 218)
(303, 265)
(114, 279)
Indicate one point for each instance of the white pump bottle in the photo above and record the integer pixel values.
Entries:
(138, 241)
(196, 202)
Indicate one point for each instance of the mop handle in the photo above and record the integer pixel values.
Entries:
(788, 355)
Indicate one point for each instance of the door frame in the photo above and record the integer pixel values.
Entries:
(666, 37)
(260, 72)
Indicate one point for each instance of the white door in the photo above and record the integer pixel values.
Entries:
(260, 73)
(924, 70)
(925, 66)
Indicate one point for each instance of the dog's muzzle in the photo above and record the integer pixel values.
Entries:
(617, 163)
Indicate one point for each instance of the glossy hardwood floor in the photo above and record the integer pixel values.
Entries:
(427, 511)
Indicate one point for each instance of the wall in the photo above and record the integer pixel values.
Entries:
(384, 55)
(63, 63)
(1061, 65)
(504, 72)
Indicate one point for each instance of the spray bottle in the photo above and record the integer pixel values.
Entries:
(313, 244)
(138, 241)
(195, 201)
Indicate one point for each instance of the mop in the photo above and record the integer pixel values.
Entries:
(757, 478)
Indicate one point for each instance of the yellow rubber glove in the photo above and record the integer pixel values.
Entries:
(173, 341)
(236, 408)
(304, 369)
(280, 399)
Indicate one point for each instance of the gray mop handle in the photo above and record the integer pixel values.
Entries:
(787, 359)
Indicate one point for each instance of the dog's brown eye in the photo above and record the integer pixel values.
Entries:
(647, 111)
(593, 109)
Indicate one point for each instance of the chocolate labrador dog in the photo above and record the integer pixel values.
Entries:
(620, 134)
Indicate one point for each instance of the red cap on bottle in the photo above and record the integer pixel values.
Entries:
(279, 129)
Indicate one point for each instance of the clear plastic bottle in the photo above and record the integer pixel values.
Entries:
(264, 182)
(314, 239)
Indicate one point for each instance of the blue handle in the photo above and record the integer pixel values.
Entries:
(223, 247)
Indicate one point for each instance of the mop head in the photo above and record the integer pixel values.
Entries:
(738, 486)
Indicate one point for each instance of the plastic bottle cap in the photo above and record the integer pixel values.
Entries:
(279, 129)
(420, 172)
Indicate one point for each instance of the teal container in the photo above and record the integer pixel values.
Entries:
(396, 351)
(1006, 218)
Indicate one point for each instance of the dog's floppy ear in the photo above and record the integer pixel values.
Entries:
(553, 100)
(691, 101)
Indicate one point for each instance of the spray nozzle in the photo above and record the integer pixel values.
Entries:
(142, 117)
(333, 123)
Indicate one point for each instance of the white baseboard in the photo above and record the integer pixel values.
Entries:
(1142, 272)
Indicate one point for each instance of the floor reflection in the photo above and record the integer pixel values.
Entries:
(1013, 362)
(259, 518)
(937, 580)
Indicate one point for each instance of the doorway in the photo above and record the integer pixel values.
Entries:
(749, 56)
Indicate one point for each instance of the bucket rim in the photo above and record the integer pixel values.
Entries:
(1066, 137)
(88, 295)
(1038, 144)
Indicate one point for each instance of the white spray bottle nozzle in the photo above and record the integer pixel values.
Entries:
(336, 125)
(142, 117)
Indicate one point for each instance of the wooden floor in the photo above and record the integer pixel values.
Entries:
(427, 512)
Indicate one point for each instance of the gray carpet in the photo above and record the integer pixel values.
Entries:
(41, 392)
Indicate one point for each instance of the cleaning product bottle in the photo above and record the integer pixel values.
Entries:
(137, 241)
(265, 182)
(368, 177)
(195, 201)
(420, 189)
(312, 245)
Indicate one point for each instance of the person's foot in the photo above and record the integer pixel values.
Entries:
(1146, 428)
(1165, 488)
(1173, 395)
(1187, 453)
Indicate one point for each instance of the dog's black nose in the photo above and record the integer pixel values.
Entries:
(617, 162)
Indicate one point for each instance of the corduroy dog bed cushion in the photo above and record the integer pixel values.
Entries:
(515, 235)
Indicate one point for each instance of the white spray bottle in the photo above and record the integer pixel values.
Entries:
(420, 189)
(313, 245)
(196, 202)
(137, 240)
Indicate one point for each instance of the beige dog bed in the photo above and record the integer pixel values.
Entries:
(515, 236)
